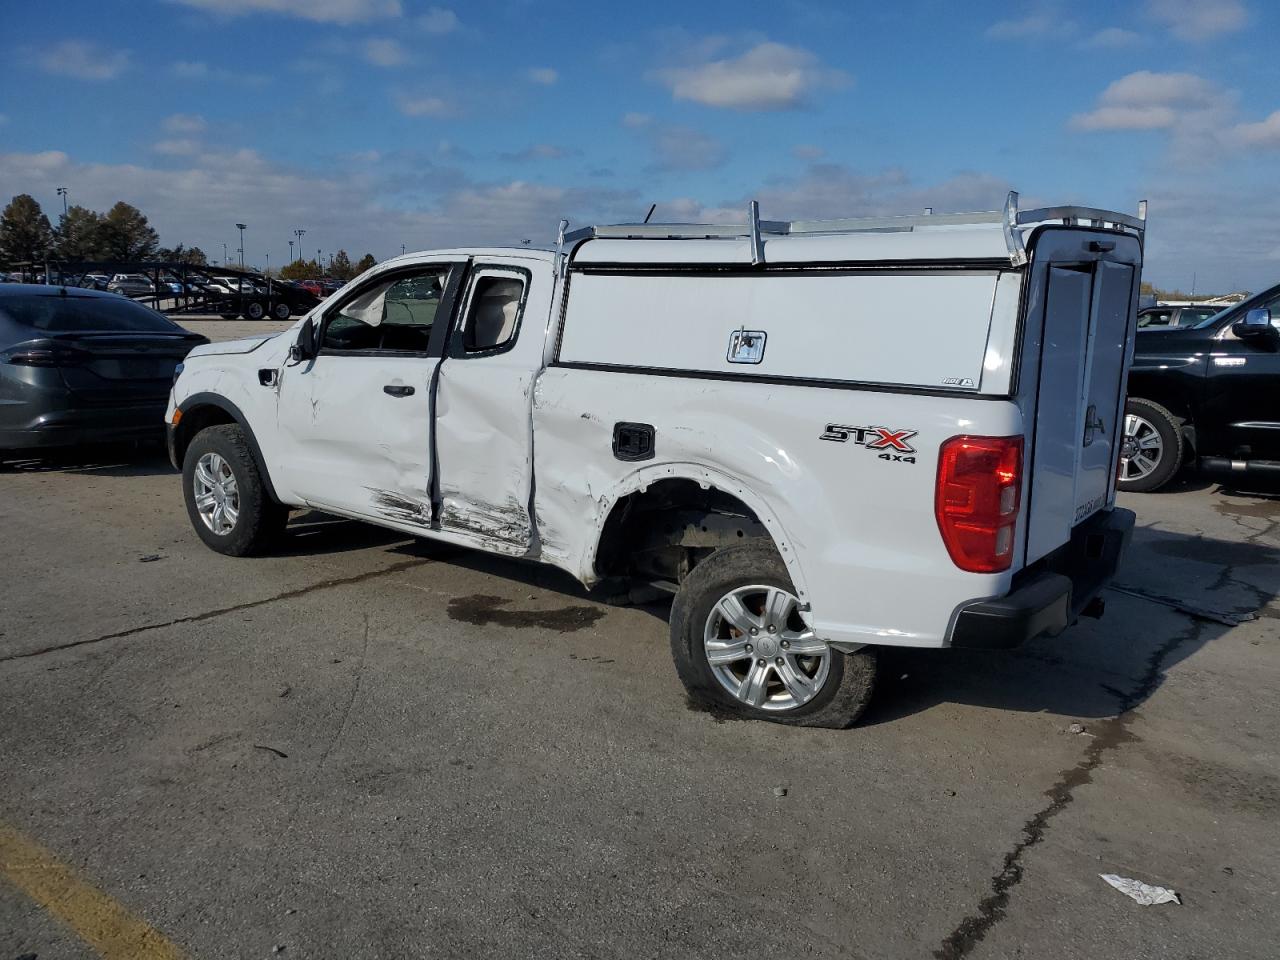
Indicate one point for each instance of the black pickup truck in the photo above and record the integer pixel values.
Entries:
(1208, 393)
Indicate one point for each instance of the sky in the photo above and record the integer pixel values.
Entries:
(373, 124)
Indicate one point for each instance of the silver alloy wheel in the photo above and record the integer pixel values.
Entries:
(761, 650)
(217, 497)
(1140, 449)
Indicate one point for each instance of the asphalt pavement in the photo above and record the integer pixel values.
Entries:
(369, 746)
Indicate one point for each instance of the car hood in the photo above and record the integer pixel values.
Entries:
(245, 345)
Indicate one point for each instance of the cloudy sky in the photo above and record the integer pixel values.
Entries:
(376, 123)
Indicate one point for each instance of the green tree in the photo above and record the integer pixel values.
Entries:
(366, 263)
(80, 235)
(128, 234)
(193, 256)
(300, 270)
(341, 266)
(25, 232)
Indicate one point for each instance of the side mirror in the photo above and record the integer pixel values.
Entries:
(1255, 323)
(305, 346)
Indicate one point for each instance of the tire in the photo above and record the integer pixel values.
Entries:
(254, 310)
(839, 684)
(258, 520)
(1152, 447)
(281, 310)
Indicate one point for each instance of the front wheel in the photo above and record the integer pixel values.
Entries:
(226, 498)
(254, 310)
(1151, 448)
(741, 645)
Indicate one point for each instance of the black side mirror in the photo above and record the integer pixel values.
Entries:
(305, 346)
(1256, 323)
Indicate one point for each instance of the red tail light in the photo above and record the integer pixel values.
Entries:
(976, 502)
(47, 357)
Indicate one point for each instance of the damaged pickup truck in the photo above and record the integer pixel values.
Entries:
(824, 437)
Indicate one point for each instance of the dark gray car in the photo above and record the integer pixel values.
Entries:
(80, 366)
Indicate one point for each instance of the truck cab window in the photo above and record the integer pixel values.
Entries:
(495, 312)
(395, 315)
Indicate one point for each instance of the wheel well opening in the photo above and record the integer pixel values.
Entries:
(665, 530)
(195, 420)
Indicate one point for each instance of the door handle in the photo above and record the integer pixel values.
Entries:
(398, 390)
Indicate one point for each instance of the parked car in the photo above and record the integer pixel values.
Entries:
(257, 300)
(1208, 394)
(314, 287)
(95, 281)
(81, 366)
(131, 285)
(1173, 317)
(806, 504)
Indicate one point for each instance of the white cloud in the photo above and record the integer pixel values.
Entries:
(1198, 19)
(190, 69)
(1264, 133)
(4, 118)
(768, 76)
(84, 60)
(1113, 38)
(1157, 101)
(383, 52)
(636, 120)
(184, 123)
(438, 20)
(678, 147)
(319, 11)
(538, 151)
(1040, 23)
(178, 147)
(424, 106)
(199, 70)
(544, 75)
(807, 151)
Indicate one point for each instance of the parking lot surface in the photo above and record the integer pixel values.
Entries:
(370, 746)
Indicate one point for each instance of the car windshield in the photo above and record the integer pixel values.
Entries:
(58, 314)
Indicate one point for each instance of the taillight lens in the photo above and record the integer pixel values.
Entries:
(46, 357)
(976, 501)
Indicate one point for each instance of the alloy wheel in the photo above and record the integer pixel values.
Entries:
(216, 494)
(1140, 449)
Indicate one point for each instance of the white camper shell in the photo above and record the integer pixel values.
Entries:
(823, 436)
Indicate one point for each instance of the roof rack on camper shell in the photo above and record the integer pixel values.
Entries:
(1010, 218)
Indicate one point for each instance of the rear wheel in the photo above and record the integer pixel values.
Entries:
(281, 310)
(226, 498)
(741, 645)
(1151, 448)
(255, 310)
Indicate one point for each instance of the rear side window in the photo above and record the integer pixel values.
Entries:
(493, 313)
(58, 314)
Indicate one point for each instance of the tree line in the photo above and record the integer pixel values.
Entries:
(122, 233)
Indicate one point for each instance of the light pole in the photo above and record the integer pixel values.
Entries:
(319, 266)
(298, 233)
(224, 253)
(62, 192)
(240, 227)
(291, 251)
(402, 249)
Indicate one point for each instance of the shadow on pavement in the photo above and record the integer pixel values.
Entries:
(108, 460)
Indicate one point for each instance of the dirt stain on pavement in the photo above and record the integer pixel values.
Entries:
(482, 610)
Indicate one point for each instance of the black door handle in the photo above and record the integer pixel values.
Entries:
(398, 390)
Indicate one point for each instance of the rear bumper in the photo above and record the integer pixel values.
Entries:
(85, 425)
(1047, 598)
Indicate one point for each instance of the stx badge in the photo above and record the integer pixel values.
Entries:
(875, 438)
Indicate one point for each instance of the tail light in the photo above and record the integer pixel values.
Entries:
(976, 501)
(46, 357)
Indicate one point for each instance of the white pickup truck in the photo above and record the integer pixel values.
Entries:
(823, 436)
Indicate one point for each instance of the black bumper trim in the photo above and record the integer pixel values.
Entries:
(1049, 597)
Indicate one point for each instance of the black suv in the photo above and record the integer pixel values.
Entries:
(1210, 392)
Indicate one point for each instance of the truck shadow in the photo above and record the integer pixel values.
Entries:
(1099, 668)
(108, 460)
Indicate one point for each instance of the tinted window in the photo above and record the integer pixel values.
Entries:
(389, 315)
(68, 314)
(1155, 318)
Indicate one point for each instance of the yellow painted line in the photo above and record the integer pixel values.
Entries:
(97, 919)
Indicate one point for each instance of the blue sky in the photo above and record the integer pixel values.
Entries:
(376, 123)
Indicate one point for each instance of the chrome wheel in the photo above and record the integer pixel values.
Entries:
(1141, 448)
(761, 650)
(217, 497)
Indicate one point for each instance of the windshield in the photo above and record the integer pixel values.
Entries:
(1257, 300)
(58, 314)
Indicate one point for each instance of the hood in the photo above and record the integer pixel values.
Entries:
(245, 345)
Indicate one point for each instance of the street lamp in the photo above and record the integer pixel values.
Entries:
(62, 192)
(224, 253)
(291, 251)
(240, 227)
(402, 249)
(298, 233)
(319, 265)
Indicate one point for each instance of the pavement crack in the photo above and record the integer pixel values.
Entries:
(221, 611)
(1110, 735)
(351, 701)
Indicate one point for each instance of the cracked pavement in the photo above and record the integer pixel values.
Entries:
(367, 746)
